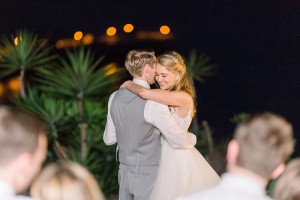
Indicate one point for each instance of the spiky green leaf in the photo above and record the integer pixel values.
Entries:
(199, 67)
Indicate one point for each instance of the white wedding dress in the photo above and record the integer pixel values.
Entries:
(182, 171)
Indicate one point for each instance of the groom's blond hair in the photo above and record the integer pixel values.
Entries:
(137, 59)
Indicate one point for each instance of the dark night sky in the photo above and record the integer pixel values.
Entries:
(255, 44)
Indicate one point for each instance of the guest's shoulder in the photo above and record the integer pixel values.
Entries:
(205, 194)
(268, 198)
(21, 197)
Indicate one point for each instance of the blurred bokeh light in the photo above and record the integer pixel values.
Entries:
(128, 28)
(78, 35)
(111, 31)
(164, 29)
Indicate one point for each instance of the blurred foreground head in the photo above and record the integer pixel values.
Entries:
(65, 181)
(261, 145)
(288, 185)
(23, 147)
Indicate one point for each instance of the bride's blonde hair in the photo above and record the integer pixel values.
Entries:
(174, 63)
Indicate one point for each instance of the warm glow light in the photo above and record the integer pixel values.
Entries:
(17, 40)
(153, 35)
(78, 35)
(111, 31)
(74, 43)
(14, 85)
(60, 44)
(110, 69)
(1, 89)
(109, 40)
(88, 39)
(164, 30)
(128, 28)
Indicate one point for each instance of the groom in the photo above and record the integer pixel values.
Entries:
(135, 124)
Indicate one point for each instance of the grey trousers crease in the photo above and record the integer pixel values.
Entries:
(136, 183)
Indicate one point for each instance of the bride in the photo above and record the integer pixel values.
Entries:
(181, 171)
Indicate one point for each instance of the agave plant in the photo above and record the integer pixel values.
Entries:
(22, 52)
(79, 77)
(55, 112)
(100, 159)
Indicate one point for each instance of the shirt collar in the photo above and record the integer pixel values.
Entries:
(241, 182)
(142, 83)
(6, 189)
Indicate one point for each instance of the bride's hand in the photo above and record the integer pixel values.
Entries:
(124, 84)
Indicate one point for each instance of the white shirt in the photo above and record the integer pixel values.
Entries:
(231, 187)
(158, 115)
(7, 193)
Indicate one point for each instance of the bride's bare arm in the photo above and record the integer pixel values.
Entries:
(171, 98)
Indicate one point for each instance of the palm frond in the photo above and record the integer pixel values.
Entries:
(23, 51)
(78, 76)
(199, 67)
(51, 110)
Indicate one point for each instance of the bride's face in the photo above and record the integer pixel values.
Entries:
(165, 79)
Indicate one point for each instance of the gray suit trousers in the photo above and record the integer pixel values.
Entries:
(136, 182)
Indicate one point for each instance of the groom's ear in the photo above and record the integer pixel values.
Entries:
(146, 68)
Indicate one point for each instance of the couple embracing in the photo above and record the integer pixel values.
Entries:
(158, 160)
